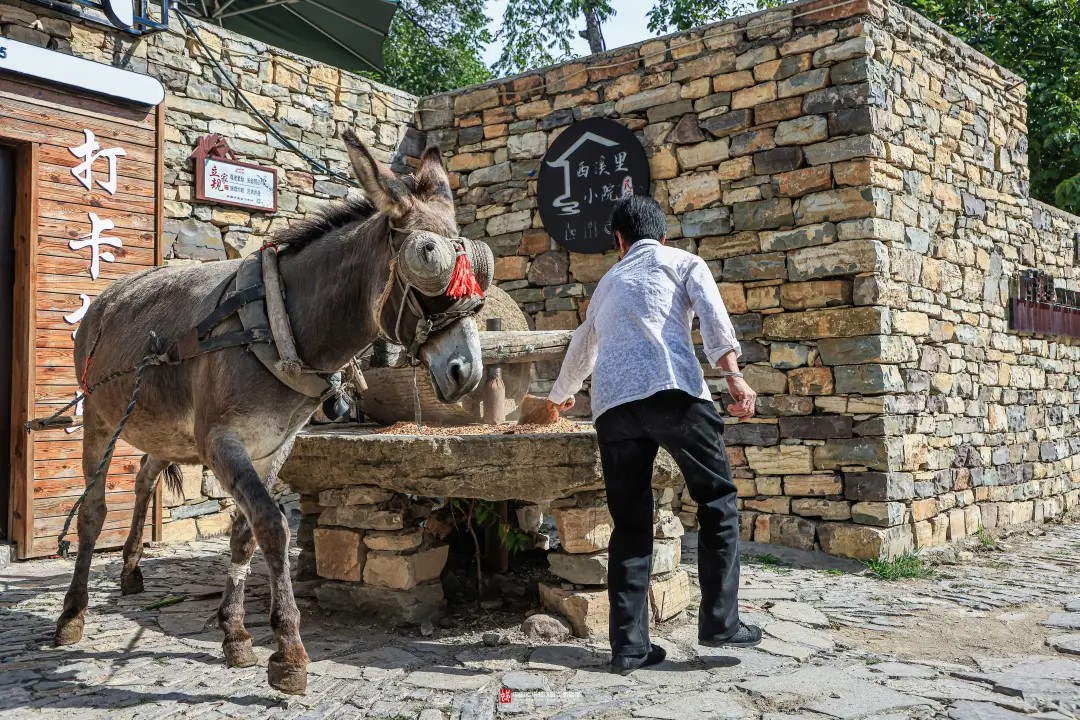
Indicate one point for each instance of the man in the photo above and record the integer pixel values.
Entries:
(648, 391)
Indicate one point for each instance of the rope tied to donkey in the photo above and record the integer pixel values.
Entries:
(151, 359)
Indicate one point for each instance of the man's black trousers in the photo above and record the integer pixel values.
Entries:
(691, 430)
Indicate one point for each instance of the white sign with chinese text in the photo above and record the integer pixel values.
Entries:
(236, 184)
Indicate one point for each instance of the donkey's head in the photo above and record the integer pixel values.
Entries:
(425, 307)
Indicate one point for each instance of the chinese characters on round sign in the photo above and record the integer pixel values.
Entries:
(590, 165)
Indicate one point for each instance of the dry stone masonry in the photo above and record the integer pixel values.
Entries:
(857, 181)
(376, 541)
(855, 178)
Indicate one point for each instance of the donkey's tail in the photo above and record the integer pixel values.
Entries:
(174, 479)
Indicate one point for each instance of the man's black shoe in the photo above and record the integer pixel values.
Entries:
(745, 636)
(626, 664)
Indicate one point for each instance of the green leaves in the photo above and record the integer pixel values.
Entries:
(538, 32)
(482, 514)
(668, 15)
(678, 15)
(435, 46)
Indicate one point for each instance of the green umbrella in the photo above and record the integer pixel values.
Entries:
(344, 33)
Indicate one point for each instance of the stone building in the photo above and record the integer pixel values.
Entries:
(855, 177)
(857, 180)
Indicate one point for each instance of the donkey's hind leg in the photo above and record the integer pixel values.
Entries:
(237, 644)
(229, 460)
(131, 580)
(69, 627)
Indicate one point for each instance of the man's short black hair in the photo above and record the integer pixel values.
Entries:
(638, 217)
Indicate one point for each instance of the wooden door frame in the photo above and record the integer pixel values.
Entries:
(23, 328)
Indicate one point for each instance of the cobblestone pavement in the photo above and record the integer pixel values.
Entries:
(994, 636)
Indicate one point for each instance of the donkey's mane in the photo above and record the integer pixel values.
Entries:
(325, 221)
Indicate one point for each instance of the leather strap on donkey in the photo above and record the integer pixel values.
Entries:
(255, 295)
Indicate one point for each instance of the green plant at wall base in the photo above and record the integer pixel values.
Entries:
(482, 514)
(435, 46)
(906, 566)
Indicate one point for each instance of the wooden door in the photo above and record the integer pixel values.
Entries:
(92, 213)
(7, 268)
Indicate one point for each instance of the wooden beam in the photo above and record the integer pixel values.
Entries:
(159, 259)
(521, 346)
(23, 365)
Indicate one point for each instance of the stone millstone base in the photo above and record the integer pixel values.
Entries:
(393, 607)
(588, 610)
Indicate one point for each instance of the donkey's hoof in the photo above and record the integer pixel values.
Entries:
(238, 654)
(68, 631)
(131, 584)
(290, 678)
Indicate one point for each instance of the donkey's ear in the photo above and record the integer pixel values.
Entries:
(388, 193)
(431, 179)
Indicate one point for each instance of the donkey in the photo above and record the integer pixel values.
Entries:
(343, 287)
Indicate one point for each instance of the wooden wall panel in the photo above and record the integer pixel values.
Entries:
(55, 209)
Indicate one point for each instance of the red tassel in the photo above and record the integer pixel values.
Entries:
(463, 282)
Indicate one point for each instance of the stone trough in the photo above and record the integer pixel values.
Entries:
(373, 534)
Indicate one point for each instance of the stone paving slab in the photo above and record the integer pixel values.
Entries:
(840, 644)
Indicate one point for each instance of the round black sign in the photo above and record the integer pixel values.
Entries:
(589, 166)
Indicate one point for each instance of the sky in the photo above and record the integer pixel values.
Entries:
(626, 28)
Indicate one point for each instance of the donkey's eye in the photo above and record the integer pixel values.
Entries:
(429, 247)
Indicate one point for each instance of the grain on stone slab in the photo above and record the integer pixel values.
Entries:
(561, 426)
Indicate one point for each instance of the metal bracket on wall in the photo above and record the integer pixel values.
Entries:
(114, 15)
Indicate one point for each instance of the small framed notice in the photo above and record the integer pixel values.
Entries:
(222, 179)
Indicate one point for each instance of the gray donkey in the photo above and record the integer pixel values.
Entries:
(346, 280)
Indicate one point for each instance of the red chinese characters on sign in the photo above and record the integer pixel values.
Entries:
(221, 178)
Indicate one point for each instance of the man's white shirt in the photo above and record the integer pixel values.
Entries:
(636, 339)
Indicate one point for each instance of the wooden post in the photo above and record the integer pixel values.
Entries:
(494, 388)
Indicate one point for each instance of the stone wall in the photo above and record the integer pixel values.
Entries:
(988, 417)
(309, 103)
(854, 184)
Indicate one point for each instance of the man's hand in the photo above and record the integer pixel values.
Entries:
(744, 397)
(541, 411)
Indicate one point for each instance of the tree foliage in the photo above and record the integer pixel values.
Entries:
(678, 15)
(1039, 40)
(538, 32)
(669, 15)
(436, 45)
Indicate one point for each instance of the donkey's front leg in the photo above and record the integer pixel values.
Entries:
(229, 459)
(237, 644)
